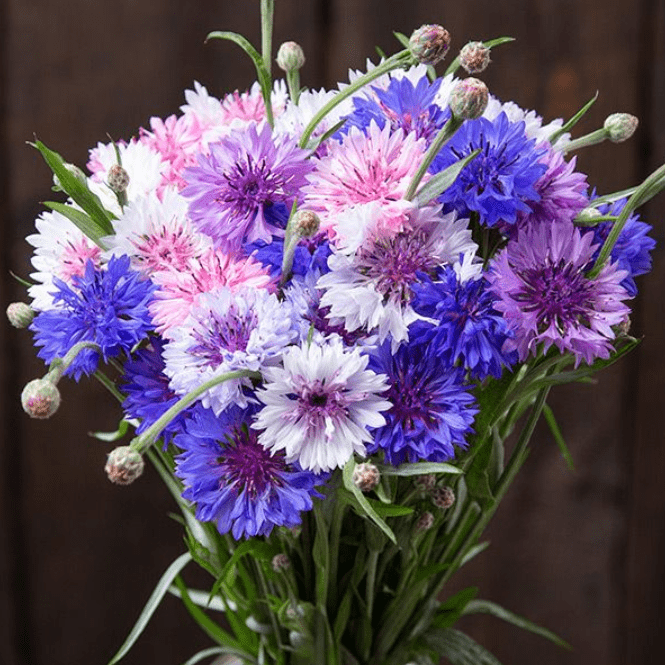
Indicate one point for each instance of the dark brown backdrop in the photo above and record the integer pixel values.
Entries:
(581, 553)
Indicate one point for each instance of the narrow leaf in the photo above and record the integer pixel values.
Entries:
(558, 437)
(108, 437)
(458, 647)
(84, 222)
(440, 182)
(153, 603)
(203, 599)
(474, 551)
(452, 608)
(419, 469)
(389, 509)
(573, 121)
(316, 142)
(206, 653)
(488, 607)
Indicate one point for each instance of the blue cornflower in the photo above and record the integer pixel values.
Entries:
(108, 307)
(633, 247)
(433, 410)
(403, 105)
(500, 181)
(236, 482)
(147, 392)
(468, 330)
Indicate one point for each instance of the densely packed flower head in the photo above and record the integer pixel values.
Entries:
(288, 284)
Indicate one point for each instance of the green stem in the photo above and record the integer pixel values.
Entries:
(60, 365)
(109, 385)
(593, 138)
(370, 581)
(395, 61)
(267, 14)
(293, 83)
(444, 135)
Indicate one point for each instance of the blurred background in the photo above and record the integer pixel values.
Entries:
(581, 552)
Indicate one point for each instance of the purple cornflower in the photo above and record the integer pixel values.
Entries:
(633, 247)
(466, 328)
(246, 173)
(106, 306)
(234, 481)
(546, 297)
(433, 410)
(500, 182)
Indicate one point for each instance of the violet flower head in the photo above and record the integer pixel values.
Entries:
(545, 295)
(233, 189)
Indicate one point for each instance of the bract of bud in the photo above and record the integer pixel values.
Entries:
(425, 482)
(20, 314)
(624, 327)
(429, 44)
(442, 497)
(290, 56)
(366, 476)
(40, 398)
(280, 562)
(124, 465)
(117, 179)
(468, 99)
(306, 223)
(474, 57)
(620, 126)
(424, 522)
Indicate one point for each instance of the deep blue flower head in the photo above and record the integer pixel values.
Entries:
(234, 481)
(106, 306)
(468, 330)
(633, 248)
(500, 181)
(147, 391)
(432, 409)
(403, 105)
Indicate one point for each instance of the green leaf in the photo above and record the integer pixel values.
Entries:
(573, 121)
(458, 647)
(20, 280)
(558, 437)
(108, 437)
(425, 572)
(83, 221)
(419, 469)
(474, 551)
(203, 599)
(206, 653)
(389, 509)
(452, 608)
(153, 603)
(363, 503)
(78, 191)
(440, 182)
(321, 557)
(401, 38)
(454, 65)
(488, 607)
(314, 143)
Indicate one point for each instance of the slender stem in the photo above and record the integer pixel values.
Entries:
(60, 365)
(264, 589)
(267, 14)
(395, 61)
(109, 385)
(593, 138)
(293, 83)
(370, 581)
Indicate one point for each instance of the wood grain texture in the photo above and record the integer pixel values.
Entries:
(579, 552)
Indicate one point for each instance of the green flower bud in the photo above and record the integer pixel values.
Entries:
(124, 465)
(306, 223)
(425, 482)
(40, 398)
(474, 57)
(442, 497)
(468, 99)
(424, 522)
(290, 56)
(366, 476)
(280, 562)
(620, 126)
(20, 314)
(118, 179)
(429, 44)
(588, 215)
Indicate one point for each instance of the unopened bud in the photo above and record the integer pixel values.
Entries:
(442, 497)
(425, 482)
(474, 57)
(40, 398)
(306, 223)
(620, 126)
(366, 476)
(468, 99)
(124, 465)
(424, 522)
(624, 327)
(429, 44)
(290, 56)
(280, 562)
(75, 171)
(117, 179)
(588, 215)
(20, 314)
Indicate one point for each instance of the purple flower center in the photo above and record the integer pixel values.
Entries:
(247, 464)
(318, 402)
(411, 402)
(393, 263)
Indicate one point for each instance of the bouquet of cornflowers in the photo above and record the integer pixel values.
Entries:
(333, 319)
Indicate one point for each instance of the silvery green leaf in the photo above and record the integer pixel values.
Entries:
(419, 469)
(83, 221)
(440, 182)
(458, 647)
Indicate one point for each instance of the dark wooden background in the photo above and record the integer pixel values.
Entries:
(581, 552)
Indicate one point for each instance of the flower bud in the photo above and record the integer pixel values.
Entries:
(290, 56)
(124, 465)
(620, 126)
(280, 562)
(425, 482)
(442, 497)
(588, 215)
(366, 476)
(40, 398)
(20, 314)
(468, 99)
(306, 223)
(118, 179)
(424, 522)
(624, 327)
(474, 57)
(429, 44)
